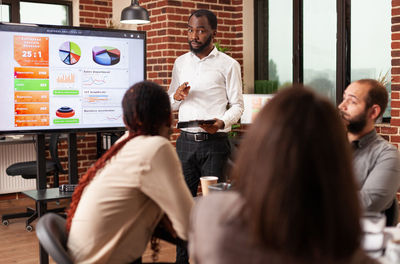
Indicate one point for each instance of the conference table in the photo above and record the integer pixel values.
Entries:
(390, 233)
(43, 196)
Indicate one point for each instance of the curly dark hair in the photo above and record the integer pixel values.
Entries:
(146, 108)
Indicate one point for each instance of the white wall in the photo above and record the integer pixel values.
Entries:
(248, 46)
(75, 12)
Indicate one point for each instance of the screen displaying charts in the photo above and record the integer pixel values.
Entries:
(70, 52)
(66, 78)
(106, 55)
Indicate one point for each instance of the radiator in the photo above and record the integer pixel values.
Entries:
(12, 153)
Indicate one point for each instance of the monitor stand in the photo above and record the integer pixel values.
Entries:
(41, 180)
(72, 159)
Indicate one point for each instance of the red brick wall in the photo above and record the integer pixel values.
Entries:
(86, 150)
(167, 37)
(391, 132)
(93, 13)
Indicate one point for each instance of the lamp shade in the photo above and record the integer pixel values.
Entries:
(134, 14)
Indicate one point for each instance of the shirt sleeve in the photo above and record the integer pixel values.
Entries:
(382, 183)
(165, 185)
(172, 88)
(234, 94)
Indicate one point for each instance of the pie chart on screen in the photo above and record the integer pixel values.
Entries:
(70, 52)
(106, 55)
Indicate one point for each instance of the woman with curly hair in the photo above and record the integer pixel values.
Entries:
(123, 196)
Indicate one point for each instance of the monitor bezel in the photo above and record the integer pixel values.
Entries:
(32, 28)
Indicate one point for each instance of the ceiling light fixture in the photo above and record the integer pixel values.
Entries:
(134, 14)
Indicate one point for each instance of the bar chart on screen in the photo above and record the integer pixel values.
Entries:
(65, 77)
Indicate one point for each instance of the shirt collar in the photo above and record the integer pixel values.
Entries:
(365, 140)
(213, 53)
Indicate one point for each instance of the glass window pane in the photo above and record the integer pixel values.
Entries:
(320, 46)
(5, 13)
(33, 13)
(280, 42)
(370, 41)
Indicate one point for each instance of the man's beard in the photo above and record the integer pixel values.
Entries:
(356, 124)
(202, 47)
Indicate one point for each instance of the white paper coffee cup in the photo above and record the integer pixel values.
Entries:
(207, 181)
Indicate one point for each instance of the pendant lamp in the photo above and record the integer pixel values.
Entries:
(134, 14)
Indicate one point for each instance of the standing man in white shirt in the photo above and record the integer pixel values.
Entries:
(206, 84)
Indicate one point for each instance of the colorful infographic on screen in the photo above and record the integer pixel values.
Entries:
(70, 53)
(106, 55)
(65, 78)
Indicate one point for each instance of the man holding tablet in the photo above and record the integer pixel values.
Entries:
(206, 88)
(206, 85)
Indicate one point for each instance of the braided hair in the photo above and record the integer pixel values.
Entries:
(146, 108)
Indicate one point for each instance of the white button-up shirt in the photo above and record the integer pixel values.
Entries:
(215, 88)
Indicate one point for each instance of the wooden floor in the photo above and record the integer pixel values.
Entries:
(20, 246)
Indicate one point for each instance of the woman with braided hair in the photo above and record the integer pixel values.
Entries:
(122, 197)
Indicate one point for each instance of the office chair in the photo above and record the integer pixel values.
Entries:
(52, 235)
(392, 214)
(28, 170)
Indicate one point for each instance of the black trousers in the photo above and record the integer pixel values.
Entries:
(201, 158)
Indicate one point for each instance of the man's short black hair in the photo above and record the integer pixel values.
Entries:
(212, 19)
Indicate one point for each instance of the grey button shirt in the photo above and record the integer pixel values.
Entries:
(377, 169)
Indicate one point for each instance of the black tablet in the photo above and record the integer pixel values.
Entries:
(195, 123)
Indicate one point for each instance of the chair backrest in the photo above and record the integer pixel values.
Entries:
(52, 235)
(53, 149)
(392, 214)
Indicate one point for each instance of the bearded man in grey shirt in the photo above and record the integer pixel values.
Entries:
(376, 162)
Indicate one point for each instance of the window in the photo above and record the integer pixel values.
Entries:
(58, 12)
(274, 61)
(319, 50)
(333, 42)
(5, 13)
(279, 45)
(371, 41)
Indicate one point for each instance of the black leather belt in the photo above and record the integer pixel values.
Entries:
(198, 137)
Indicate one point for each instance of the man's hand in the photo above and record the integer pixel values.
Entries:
(213, 128)
(182, 92)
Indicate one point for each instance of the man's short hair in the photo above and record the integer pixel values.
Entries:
(377, 94)
(212, 19)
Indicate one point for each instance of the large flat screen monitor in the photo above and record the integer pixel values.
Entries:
(66, 79)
